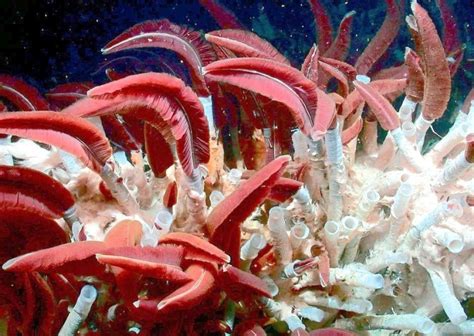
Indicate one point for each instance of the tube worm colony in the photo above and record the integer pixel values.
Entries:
(244, 200)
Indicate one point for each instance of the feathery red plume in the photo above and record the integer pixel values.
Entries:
(65, 94)
(273, 80)
(223, 16)
(310, 66)
(21, 94)
(188, 44)
(158, 151)
(382, 40)
(383, 110)
(339, 48)
(171, 195)
(70, 133)
(323, 25)
(416, 78)
(437, 87)
(244, 43)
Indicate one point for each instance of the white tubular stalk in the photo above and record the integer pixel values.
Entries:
(358, 278)
(194, 181)
(448, 300)
(232, 180)
(206, 103)
(388, 183)
(360, 306)
(419, 323)
(397, 213)
(73, 222)
(448, 142)
(300, 146)
(409, 131)
(453, 241)
(271, 307)
(5, 157)
(383, 260)
(422, 126)
(80, 311)
(70, 163)
(119, 191)
(336, 173)
(215, 198)
(332, 231)
(269, 145)
(271, 285)
(311, 313)
(407, 109)
(351, 238)
(462, 329)
(163, 221)
(441, 212)
(294, 322)
(252, 246)
(367, 203)
(301, 208)
(413, 158)
(369, 138)
(452, 170)
(276, 225)
(298, 234)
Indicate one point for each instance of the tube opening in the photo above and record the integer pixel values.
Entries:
(350, 223)
(408, 128)
(454, 208)
(275, 213)
(257, 241)
(455, 246)
(300, 231)
(427, 327)
(89, 293)
(216, 197)
(372, 196)
(363, 78)
(331, 227)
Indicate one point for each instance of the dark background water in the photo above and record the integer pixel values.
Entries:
(56, 41)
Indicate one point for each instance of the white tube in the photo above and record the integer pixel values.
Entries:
(367, 203)
(422, 126)
(276, 225)
(356, 278)
(448, 142)
(80, 311)
(363, 78)
(269, 144)
(252, 247)
(234, 176)
(349, 225)
(407, 109)
(311, 313)
(383, 260)
(419, 323)
(453, 241)
(216, 197)
(448, 300)
(465, 328)
(413, 158)
(452, 170)
(163, 221)
(294, 322)
(150, 236)
(195, 181)
(443, 210)
(336, 173)
(300, 146)
(401, 200)
(360, 306)
(271, 285)
(298, 234)
(207, 105)
(409, 131)
(331, 236)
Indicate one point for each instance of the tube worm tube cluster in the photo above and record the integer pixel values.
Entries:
(254, 198)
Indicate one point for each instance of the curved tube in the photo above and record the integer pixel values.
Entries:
(444, 146)
(384, 260)
(356, 278)
(453, 241)
(206, 103)
(276, 225)
(413, 158)
(448, 300)
(419, 323)
(252, 246)
(80, 311)
(360, 306)
(311, 313)
(401, 200)
(409, 131)
(453, 169)
(444, 209)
